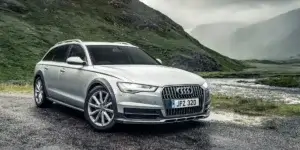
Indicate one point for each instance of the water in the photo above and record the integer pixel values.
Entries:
(248, 89)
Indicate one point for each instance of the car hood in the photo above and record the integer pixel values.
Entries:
(158, 75)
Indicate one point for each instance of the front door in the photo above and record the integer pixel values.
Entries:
(72, 78)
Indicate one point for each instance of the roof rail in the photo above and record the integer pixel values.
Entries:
(126, 43)
(70, 40)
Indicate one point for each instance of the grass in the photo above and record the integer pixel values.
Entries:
(247, 74)
(230, 74)
(258, 70)
(254, 107)
(280, 81)
(289, 61)
(10, 88)
(16, 86)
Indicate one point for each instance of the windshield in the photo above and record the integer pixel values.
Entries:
(118, 55)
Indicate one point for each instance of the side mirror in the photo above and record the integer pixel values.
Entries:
(159, 60)
(76, 61)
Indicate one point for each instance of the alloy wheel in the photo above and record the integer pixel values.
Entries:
(100, 108)
(38, 92)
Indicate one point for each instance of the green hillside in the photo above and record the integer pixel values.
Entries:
(29, 27)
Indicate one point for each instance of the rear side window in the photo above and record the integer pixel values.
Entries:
(49, 56)
(60, 53)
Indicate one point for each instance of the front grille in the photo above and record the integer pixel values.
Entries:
(183, 111)
(169, 93)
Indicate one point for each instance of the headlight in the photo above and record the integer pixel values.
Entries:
(205, 85)
(206, 90)
(134, 88)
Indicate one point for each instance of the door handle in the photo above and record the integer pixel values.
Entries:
(46, 68)
(62, 70)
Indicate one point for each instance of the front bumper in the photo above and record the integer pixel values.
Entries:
(149, 108)
(162, 120)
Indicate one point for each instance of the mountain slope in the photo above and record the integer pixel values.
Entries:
(216, 35)
(29, 28)
(276, 38)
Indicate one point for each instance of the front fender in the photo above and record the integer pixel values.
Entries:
(103, 82)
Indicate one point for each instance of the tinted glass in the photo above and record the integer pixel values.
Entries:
(113, 55)
(49, 55)
(60, 53)
(77, 50)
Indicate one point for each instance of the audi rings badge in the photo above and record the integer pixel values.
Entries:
(184, 90)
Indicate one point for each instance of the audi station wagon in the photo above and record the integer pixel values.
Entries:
(118, 82)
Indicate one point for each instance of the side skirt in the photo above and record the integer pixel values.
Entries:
(64, 104)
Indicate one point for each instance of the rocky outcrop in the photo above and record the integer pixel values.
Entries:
(196, 62)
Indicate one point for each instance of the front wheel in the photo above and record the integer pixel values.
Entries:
(99, 109)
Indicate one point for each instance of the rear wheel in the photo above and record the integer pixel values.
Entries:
(99, 109)
(40, 97)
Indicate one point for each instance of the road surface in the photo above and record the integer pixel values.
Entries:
(23, 126)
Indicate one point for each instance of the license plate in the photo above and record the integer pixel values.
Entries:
(182, 103)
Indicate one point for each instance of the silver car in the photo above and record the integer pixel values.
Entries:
(117, 82)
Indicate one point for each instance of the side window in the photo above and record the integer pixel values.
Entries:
(78, 51)
(49, 55)
(60, 53)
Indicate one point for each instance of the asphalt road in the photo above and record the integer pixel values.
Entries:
(23, 126)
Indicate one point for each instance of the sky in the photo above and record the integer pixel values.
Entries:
(190, 13)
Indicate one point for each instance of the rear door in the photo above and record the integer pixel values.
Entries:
(48, 71)
(53, 71)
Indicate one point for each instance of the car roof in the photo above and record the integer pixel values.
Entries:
(93, 43)
(108, 43)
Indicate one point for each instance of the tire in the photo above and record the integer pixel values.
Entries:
(40, 96)
(100, 113)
